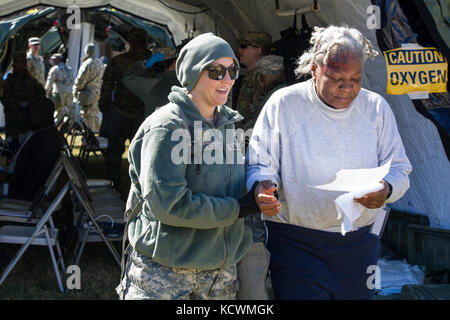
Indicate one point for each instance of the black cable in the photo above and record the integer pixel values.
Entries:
(182, 11)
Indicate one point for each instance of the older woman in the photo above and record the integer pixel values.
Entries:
(189, 235)
(304, 135)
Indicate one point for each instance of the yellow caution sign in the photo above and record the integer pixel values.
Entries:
(410, 70)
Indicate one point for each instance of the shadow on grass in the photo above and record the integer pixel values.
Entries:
(33, 278)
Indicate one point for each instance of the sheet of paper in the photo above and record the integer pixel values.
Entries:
(350, 180)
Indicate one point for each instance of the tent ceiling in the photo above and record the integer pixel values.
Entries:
(227, 18)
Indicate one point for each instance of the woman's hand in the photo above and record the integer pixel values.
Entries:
(265, 198)
(374, 200)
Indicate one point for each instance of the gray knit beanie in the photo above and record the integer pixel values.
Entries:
(197, 54)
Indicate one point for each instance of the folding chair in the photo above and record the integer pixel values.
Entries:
(90, 210)
(91, 143)
(43, 233)
(70, 125)
(22, 211)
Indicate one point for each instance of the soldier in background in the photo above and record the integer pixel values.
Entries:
(20, 89)
(115, 97)
(86, 89)
(271, 75)
(59, 84)
(254, 46)
(36, 66)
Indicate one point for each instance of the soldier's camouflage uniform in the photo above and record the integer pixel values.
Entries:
(19, 90)
(146, 279)
(248, 102)
(89, 78)
(36, 68)
(115, 96)
(60, 82)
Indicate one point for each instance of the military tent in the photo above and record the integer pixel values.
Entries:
(394, 24)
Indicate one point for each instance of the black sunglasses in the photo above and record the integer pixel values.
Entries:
(217, 72)
(244, 45)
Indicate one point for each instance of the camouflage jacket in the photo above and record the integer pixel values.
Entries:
(36, 68)
(60, 79)
(249, 101)
(19, 90)
(114, 94)
(89, 77)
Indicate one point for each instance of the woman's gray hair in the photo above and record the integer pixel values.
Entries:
(333, 40)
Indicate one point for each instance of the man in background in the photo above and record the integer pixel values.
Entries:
(116, 98)
(20, 89)
(36, 66)
(86, 89)
(59, 84)
(254, 46)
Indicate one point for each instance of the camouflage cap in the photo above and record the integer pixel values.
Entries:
(34, 41)
(270, 64)
(169, 53)
(262, 39)
(20, 56)
(137, 35)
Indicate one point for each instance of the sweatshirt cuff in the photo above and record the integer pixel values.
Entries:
(252, 179)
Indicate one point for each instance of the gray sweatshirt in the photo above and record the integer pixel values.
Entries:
(299, 142)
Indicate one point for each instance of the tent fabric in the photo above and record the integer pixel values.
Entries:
(430, 179)
(159, 35)
(50, 41)
(9, 27)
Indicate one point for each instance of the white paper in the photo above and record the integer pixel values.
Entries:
(357, 183)
(353, 180)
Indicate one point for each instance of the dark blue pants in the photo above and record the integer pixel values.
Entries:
(312, 264)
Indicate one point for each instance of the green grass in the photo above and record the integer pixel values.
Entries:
(33, 278)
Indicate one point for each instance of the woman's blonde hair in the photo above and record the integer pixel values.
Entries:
(333, 40)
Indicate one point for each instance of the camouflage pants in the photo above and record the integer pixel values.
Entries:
(147, 280)
(66, 101)
(91, 113)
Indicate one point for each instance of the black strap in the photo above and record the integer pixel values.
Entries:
(305, 25)
(129, 215)
(294, 25)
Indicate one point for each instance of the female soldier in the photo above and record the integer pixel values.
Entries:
(189, 236)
